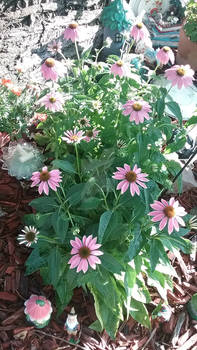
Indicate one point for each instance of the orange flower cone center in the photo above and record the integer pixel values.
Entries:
(166, 49)
(139, 25)
(50, 62)
(137, 106)
(84, 252)
(52, 99)
(130, 176)
(73, 25)
(74, 138)
(180, 72)
(169, 211)
(44, 176)
(89, 133)
(30, 236)
(119, 63)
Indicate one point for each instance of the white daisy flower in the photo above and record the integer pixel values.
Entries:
(29, 236)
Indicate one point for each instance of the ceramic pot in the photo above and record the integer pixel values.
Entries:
(187, 51)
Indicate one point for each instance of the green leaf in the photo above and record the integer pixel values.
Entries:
(34, 262)
(139, 312)
(160, 106)
(64, 165)
(108, 319)
(191, 121)
(110, 263)
(56, 266)
(60, 224)
(44, 204)
(155, 246)
(174, 167)
(177, 144)
(64, 292)
(176, 111)
(96, 326)
(130, 278)
(171, 241)
(90, 203)
(136, 243)
(76, 193)
(103, 224)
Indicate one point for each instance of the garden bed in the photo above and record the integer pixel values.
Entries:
(16, 333)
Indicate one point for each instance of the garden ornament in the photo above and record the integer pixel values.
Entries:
(72, 326)
(165, 313)
(21, 159)
(38, 310)
(117, 19)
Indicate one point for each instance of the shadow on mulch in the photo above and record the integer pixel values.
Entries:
(17, 334)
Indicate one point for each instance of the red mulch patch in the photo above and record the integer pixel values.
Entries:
(17, 334)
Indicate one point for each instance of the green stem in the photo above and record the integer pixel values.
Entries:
(63, 205)
(77, 158)
(104, 196)
(154, 72)
(169, 90)
(130, 46)
(46, 239)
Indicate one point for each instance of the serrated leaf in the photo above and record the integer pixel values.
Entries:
(34, 262)
(60, 224)
(64, 165)
(90, 203)
(56, 266)
(110, 263)
(44, 204)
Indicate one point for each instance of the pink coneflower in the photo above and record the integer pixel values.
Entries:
(168, 212)
(119, 68)
(165, 54)
(46, 179)
(71, 32)
(52, 101)
(91, 134)
(55, 46)
(52, 69)
(73, 136)
(131, 178)
(85, 252)
(180, 75)
(139, 32)
(138, 110)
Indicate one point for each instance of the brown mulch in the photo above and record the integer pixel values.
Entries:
(17, 334)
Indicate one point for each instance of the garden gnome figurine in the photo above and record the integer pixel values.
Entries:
(165, 313)
(72, 326)
(38, 310)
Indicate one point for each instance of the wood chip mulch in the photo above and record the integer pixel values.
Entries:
(17, 334)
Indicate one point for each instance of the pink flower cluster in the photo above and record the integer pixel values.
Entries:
(46, 179)
(138, 110)
(168, 213)
(85, 252)
(130, 179)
